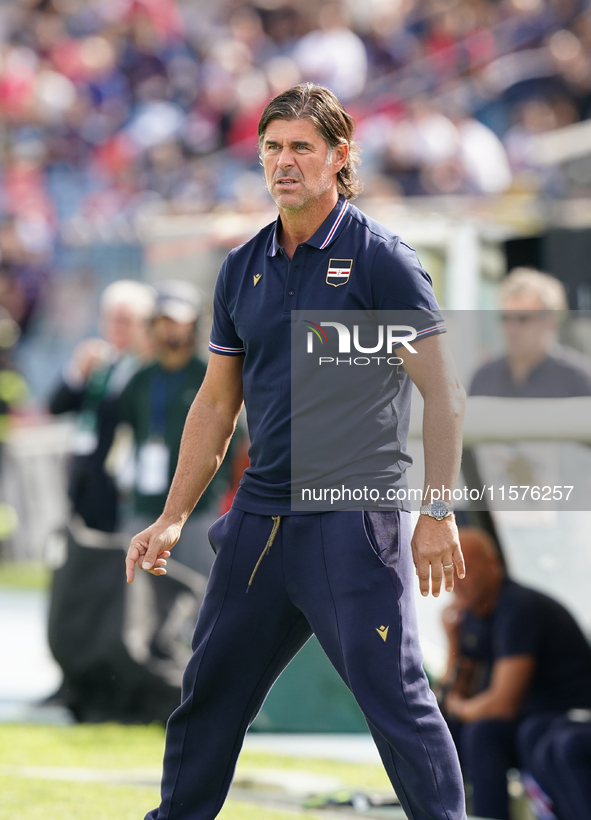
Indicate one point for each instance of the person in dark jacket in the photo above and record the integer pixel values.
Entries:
(90, 387)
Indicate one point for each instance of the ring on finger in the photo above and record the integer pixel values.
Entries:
(447, 566)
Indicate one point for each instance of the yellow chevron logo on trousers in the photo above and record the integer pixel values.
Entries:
(256, 278)
(382, 632)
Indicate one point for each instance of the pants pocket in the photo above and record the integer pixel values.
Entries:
(383, 533)
(220, 530)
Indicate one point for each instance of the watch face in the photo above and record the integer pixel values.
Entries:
(439, 509)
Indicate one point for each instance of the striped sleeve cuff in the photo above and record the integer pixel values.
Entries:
(431, 330)
(224, 350)
(424, 332)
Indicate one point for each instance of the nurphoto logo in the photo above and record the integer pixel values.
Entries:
(392, 335)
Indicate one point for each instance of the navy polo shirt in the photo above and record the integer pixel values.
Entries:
(350, 263)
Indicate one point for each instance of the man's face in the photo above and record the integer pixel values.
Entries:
(300, 168)
(528, 329)
(121, 327)
(170, 335)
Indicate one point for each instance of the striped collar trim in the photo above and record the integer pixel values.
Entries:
(336, 224)
(316, 240)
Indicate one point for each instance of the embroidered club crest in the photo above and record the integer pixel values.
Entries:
(338, 272)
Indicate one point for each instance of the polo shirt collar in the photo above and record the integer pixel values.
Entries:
(325, 234)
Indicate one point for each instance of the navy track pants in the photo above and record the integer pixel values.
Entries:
(349, 578)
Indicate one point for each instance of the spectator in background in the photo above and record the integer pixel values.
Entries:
(333, 55)
(12, 386)
(531, 118)
(154, 405)
(430, 152)
(535, 365)
(95, 87)
(91, 386)
(25, 264)
(514, 654)
(421, 149)
(482, 157)
(13, 391)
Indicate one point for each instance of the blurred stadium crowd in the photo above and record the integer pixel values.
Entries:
(114, 110)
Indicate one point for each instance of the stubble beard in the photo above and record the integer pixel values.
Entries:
(308, 195)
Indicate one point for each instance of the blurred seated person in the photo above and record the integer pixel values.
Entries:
(532, 305)
(154, 405)
(514, 654)
(90, 386)
(555, 753)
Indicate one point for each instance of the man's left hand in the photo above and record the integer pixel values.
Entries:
(436, 553)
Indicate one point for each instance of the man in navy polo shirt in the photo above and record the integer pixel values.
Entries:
(347, 576)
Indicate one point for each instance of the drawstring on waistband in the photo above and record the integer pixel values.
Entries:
(268, 545)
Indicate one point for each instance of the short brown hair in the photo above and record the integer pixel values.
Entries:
(319, 105)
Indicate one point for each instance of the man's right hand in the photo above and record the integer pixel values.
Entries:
(150, 548)
(209, 426)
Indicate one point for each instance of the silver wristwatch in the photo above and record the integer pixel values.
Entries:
(437, 509)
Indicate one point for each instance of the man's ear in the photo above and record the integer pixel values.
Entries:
(340, 155)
